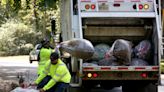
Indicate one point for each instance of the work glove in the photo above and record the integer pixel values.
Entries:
(33, 84)
(41, 90)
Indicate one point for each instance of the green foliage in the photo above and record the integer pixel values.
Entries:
(16, 38)
(23, 23)
(46, 4)
(17, 5)
(5, 2)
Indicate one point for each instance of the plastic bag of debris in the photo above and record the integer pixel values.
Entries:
(121, 49)
(108, 62)
(143, 49)
(89, 64)
(19, 89)
(100, 51)
(80, 48)
(138, 62)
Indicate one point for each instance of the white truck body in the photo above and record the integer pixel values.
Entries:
(102, 21)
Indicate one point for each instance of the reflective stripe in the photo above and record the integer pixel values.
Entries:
(49, 67)
(57, 68)
(41, 63)
(54, 79)
(45, 72)
(44, 59)
(58, 75)
(63, 75)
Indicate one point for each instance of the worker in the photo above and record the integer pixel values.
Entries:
(44, 54)
(59, 76)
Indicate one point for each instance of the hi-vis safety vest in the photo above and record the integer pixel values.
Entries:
(44, 57)
(58, 72)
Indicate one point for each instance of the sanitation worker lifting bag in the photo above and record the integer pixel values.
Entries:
(80, 48)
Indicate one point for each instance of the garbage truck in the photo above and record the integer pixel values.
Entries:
(104, 21)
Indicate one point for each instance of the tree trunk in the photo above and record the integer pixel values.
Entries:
(17, 5)
(35, 15)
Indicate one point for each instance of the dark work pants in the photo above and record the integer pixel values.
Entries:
(58, 87)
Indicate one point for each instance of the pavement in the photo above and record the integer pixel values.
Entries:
(17, 61)
(13, 66)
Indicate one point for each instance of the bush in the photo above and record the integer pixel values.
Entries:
(17, 38)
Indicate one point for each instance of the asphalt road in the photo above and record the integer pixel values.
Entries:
(11, 67)
(14, 66)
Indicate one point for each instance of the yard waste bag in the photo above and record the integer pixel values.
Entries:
(89, 64)
(138, 62)
(121, 49)
(19, 89)
(80, 48)
(108, 62)
(100, 51)
(143, 50)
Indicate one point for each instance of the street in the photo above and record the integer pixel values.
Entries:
(11, 67)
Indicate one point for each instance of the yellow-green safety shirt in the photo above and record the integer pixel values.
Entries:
(44, 57)
(59, 73)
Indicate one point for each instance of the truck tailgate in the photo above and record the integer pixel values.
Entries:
(120, 73)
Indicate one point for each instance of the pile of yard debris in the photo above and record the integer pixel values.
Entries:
(19, 83)
(7, 85)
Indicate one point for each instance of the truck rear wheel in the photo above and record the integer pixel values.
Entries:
(83, 89)
(140, 88)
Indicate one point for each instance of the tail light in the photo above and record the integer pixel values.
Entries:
(95, 75)
(87, 6)
(93, 6)
(140, 6)
(144, 75)
(146, 6)
(89, 75)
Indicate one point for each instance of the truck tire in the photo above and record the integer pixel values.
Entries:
(83, 89)
(140, 88)
(67, 89)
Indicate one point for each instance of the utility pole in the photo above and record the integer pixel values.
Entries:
(44, 19)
